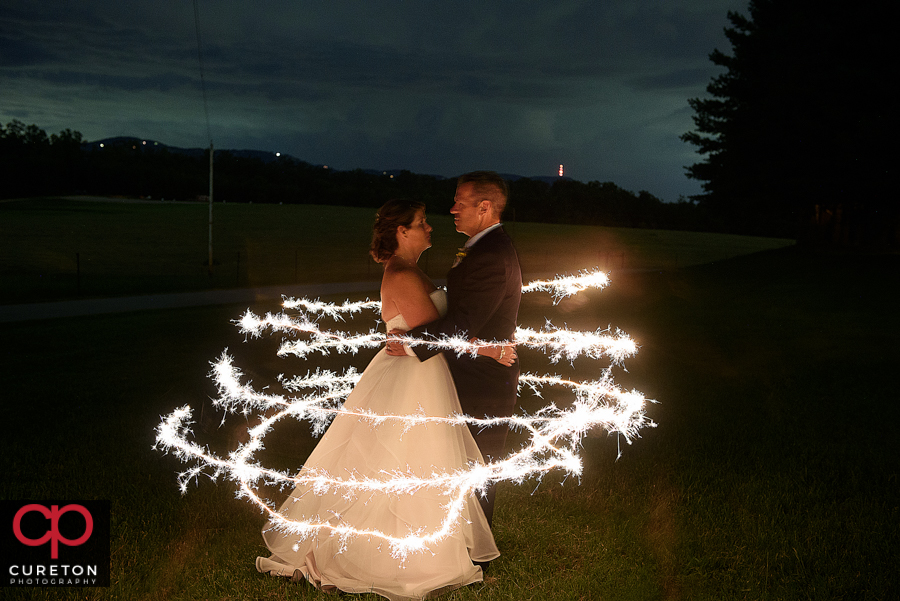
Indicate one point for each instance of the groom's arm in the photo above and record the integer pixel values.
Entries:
(477, 295)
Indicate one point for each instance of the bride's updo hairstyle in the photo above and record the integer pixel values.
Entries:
(393, 214)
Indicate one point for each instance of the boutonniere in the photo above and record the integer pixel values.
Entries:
(460, 255)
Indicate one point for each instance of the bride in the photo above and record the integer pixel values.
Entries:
(355, 448)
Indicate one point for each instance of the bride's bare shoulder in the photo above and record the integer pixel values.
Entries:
(405, 279)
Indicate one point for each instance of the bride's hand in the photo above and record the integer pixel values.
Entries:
(504, 354)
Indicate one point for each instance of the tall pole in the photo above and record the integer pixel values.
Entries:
(210, 205)
(208, 131)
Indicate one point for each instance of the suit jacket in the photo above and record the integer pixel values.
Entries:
(483, 294)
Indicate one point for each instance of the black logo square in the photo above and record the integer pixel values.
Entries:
(54, 543)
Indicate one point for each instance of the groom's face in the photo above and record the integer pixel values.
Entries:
(469, 212)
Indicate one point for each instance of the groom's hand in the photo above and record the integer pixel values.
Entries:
(504, 354)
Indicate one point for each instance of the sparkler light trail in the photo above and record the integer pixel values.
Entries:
(555, 433)
(334, 311)
(563, 286)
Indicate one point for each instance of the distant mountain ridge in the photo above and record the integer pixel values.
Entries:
(269, 157)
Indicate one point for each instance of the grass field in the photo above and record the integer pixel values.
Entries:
(773, 472)
(54, 249)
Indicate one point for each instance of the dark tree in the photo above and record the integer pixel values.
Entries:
(798, 132)
(31, 163)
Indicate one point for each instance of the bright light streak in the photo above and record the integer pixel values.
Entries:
(563, 286)
(559, 287)
(555, 433)
(329, 309)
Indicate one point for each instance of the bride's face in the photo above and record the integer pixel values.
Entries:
(418, 234)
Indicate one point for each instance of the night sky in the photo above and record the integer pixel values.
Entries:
(434, 87)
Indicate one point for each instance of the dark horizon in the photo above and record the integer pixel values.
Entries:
(435, 89)
(268, 155)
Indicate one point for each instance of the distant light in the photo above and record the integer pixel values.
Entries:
(560, 170)
(101, 145)
(144, 142)
(324, 166)
(278, 154)
(392, 177)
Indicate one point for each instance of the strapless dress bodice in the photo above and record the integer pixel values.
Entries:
(438, 297)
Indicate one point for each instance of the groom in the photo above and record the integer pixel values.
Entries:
(483, 292)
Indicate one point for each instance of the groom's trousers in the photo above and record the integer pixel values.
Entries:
(487, 389)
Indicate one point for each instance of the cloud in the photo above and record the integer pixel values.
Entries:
(433, 87)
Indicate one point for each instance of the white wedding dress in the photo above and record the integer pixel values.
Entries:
(353, 447)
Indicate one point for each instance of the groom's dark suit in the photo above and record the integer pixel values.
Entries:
(483, 294)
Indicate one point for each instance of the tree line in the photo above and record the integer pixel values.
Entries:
(799, 130)
(34, 164)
